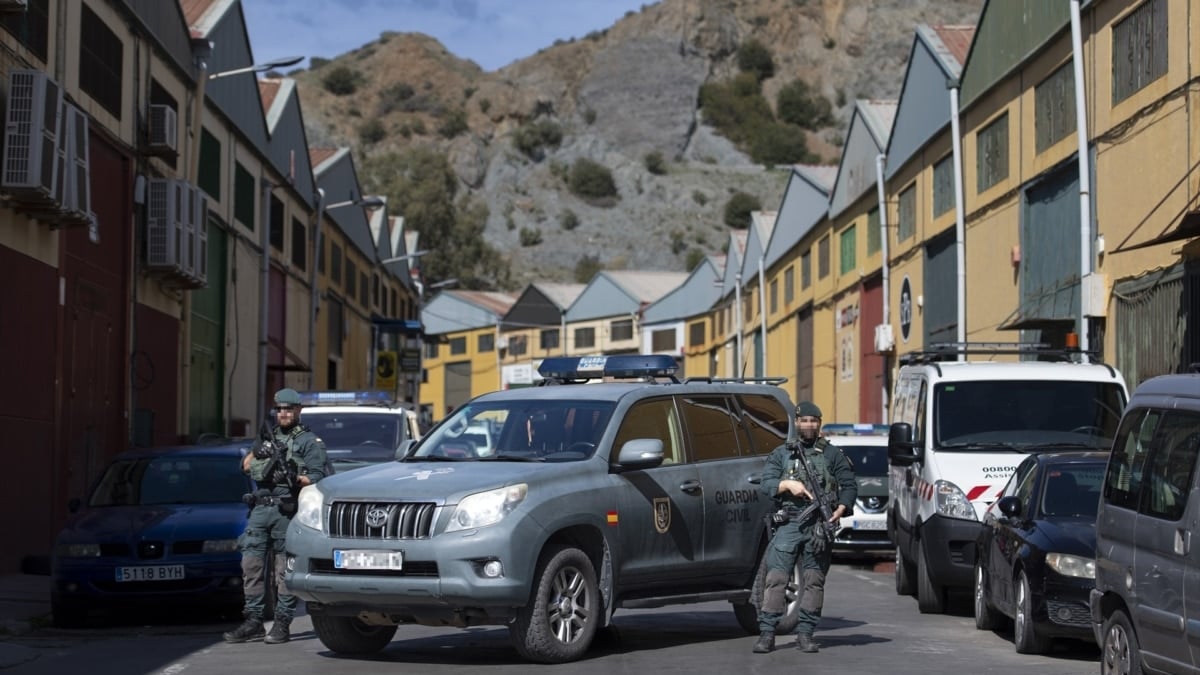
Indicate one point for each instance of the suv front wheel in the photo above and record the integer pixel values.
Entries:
(348, 635)
(564, 611)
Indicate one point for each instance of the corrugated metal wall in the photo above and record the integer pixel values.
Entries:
(1157, 323)
(1050, 247)
(940, 305)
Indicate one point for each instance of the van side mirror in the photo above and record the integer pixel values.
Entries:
(902, 451)
(1009, 506)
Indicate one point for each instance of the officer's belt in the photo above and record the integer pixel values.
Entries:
(270, 500)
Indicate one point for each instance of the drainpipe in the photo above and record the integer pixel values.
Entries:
(762, 316)
(264, 298)
(885, 264)
(737, 325)
(959, 218)
(315, 294)
(1085, 180)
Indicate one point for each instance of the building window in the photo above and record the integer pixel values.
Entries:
(585, 338)
(335, 264)
(774, 298)
(321, 256)
(243, 197)
(805, 270)
(696, 334)
(517, 345)
(210, 165)
(621, 329)
(823, 257)
(847, 243)
(364, 289)
(873, 230)
(336, 325)
(943, 186)
(1054, 107)
(486, 343)
(277, 221)
(299, 244)
(663, 341)
(458, 345)
(375, 289)
(906, 223)
(431, 350)
(101, 59)
(383, 299)
(31, 27)
(789, 285)
(548, 339)
(1139, 50)
(351, 279)
(991, 154)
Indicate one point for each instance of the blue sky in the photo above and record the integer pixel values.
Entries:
(492, 33)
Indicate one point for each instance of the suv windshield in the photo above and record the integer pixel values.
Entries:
(1026, 412)
(518, 430)
(357, 437)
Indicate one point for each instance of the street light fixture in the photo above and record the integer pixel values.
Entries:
(260, 67)
(401, 258)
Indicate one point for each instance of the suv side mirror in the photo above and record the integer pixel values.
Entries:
(902, 451)
(1009, 506)
(640, 453)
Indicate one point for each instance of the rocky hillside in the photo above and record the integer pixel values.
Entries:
(624, 97)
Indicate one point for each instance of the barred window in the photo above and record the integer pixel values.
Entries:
(275, 235)
(805, 270)
(663, 341)
(336, 325)
(696, 333)
(351, 279)
(873, 230)
(774, 297)
(458, 345)
(548, 339)
(789, 284)
(1054, 107)
(517, 345)
(991, 154)
(1139, 51)
(906, 224)
(243, 197)
(335, 264)
(848, 241)
(823, 257)
(299, 244)
(943, 186)
(101, 59)
(486, 343)
(209, 179)
(585, 337)
(621, 330)
(363, 289)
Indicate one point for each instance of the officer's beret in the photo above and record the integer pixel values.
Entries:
(808, 409)
(287, 397)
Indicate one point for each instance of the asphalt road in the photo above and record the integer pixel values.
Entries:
(867, 628)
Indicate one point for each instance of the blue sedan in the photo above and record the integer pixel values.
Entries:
(1035, 558)
(160, 526)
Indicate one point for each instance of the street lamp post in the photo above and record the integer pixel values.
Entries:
(314, 301)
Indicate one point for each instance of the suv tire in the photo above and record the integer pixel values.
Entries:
(348, 635)
(1119, 652)
(904, 575)
(931, 598)
(561, 618)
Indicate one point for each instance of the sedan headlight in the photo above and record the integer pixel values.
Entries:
(78, 550)
(309, 506)
(219, 546)
(1072, 565)
(486, 508)
(951, 501)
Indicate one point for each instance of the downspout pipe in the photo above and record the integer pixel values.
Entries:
(1085, 180)
(762, 315)
(737, 320)
(264, 298)
(885, 267)
(315, 297)
(960, 257)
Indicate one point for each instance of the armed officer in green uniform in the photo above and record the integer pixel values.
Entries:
(285, 460)
(803, 535)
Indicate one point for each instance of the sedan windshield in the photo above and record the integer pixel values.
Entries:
(868, 460)
(518, 430)
(981, 414)
(171, 480)
(1073, 490)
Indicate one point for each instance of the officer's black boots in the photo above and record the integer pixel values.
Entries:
(765, 642)
(280, 632)
(251, 629)
(806, 643)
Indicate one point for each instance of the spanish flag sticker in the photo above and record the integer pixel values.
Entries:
(612, 518)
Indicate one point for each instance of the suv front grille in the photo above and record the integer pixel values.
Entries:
(381, 520)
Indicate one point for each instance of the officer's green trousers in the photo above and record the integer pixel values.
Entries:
(266, 529)
(790, 545)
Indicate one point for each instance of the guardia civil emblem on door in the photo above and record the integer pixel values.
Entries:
(662, 514)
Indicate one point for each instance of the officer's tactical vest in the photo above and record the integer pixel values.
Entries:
(819, 463)
(258, 467)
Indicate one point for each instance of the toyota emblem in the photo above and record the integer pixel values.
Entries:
(377, 516)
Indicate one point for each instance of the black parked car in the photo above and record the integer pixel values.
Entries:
(1035, 561)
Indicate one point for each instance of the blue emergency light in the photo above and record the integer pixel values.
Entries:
(617, 366)
(857, 429)
(319, 398)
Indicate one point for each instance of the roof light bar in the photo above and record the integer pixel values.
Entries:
(319, 398)
(619, 366)
(857, 429)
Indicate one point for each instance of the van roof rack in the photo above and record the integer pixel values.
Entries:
(944, 351)
(777, 380)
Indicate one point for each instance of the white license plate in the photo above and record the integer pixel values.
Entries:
(868, 524)
(150, 573)
(368, 560)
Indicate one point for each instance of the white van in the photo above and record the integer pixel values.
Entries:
(959, 430)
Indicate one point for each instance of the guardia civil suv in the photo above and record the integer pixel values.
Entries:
(581, 500)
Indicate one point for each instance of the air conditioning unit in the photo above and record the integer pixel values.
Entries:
(164, 224)
(14, 5)
(200, 226)
(163, 131)
(885, 341)
(33, 127)
(502, 342)
(76, 193)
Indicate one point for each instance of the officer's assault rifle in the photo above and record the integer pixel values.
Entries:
(281, 469)
(825, 529)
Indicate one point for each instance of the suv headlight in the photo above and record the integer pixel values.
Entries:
(1072, 565)
(952, 502)
(486, 508)
(309, 506)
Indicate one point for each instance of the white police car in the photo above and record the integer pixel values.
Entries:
(865, 445)
(587, 499)
(358, 427)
